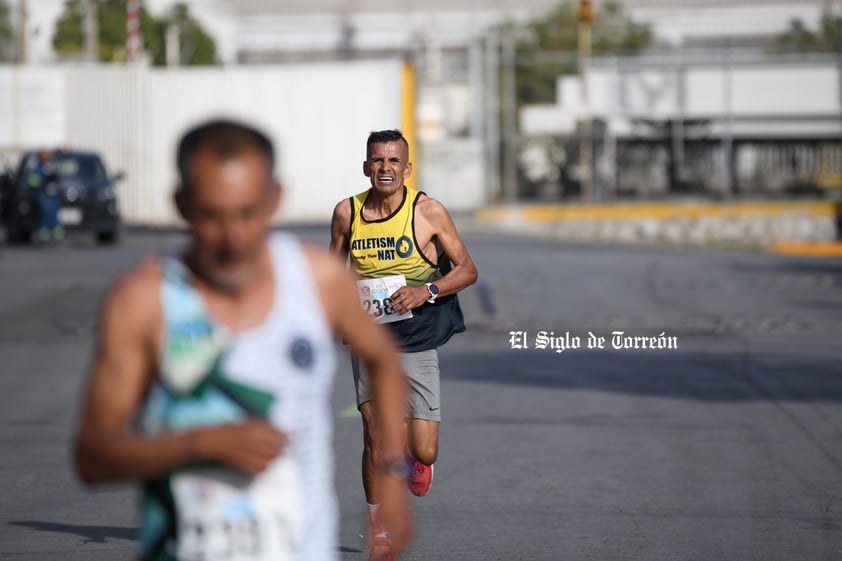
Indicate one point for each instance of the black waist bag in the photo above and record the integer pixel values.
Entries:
(431, 325)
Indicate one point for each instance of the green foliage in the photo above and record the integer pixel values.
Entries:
(197, 47)
(552, 45)
(801, 39)
(69, 37)
(615, 33)
(7, 33)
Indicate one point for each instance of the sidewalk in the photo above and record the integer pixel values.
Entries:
(808, 228)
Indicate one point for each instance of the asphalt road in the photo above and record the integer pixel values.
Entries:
(728, 447)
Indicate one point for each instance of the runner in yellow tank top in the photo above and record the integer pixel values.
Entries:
(392, 229)
(388, 246)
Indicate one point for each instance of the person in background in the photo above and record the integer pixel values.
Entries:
(42, 179)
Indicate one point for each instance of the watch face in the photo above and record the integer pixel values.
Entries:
(434, 290)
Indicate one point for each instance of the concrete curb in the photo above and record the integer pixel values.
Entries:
(794, 227)
(658, 211)
(815, 249)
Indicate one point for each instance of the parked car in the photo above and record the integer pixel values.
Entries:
(87, 195)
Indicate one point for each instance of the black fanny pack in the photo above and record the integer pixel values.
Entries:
(430, 326)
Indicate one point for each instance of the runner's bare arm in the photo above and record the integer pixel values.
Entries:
(340, 229)
(374, 346)
(107, 446)
(464, 272)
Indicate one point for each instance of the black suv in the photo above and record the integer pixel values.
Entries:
(86, 194)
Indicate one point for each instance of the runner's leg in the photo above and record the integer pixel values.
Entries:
(424, 440)
(371, 452)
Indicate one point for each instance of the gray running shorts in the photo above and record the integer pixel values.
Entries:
(422, 373)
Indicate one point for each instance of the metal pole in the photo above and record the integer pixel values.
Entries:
(20, 55)
(476, 74)
(173, 45)
(91, 30)
(509, 118)
(727, 137)
(475, 81)
(678, 122)
(492, 146)
(839, 63)
(585, 142)
(133, 41)
(20, 60)
(611, 137)
(409, 104)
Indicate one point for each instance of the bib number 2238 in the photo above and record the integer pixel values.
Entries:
(375, 296)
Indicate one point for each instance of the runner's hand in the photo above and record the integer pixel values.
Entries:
(250, 446)
(408, 298)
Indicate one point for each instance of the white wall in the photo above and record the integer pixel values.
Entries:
(451, 170)
(31, 107)
(319, 115)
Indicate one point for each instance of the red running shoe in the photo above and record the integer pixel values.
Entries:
(420, 478)
(380, 548)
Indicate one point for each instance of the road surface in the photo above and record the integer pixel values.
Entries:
(723, 444)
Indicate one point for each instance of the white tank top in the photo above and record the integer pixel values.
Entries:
(281, 371)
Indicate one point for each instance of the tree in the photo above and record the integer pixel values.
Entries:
(7, 33)
(197, 47)
(551, 44)
(68, 38)
(801, 39)
(69, 35)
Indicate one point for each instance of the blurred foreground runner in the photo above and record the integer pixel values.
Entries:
(213, 370)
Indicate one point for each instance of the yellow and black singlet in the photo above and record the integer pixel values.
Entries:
(388, 246)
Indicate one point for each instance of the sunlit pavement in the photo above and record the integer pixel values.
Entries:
(726, 447)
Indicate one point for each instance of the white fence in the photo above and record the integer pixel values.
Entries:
(319, 115)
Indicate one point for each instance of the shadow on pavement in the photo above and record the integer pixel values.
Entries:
(101, 534)
(96, 534)
(794, 266)
(703, 376)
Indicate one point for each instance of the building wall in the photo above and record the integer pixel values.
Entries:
(798, 91)
(319, 115)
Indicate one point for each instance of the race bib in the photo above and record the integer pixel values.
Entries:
(225, 515)
(376, 298)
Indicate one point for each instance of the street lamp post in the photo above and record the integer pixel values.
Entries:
(586, 15)
(133, 41)
(20, 60)
(20, 38)
(509, 99)
(91, 31)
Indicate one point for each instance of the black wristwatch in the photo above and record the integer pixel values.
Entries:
(433, 290)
